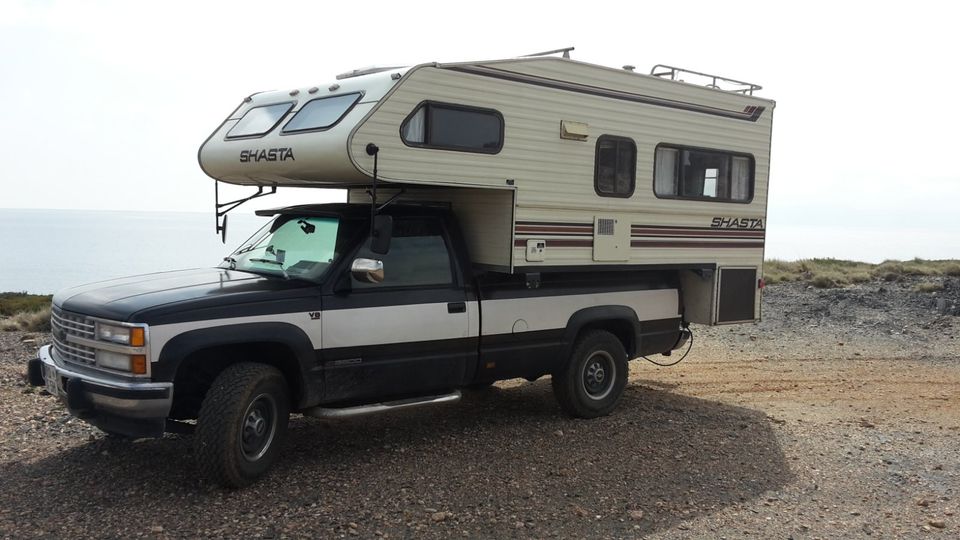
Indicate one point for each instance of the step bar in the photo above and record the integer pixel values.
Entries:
(373, 408)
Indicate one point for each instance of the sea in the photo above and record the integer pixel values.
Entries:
(43, 251)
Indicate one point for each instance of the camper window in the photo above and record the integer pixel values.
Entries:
(698, 174)
(453, 127)
(615, 167)
(259, 121)
(321, 113)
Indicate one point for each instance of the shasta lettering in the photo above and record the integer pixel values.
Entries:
(263, 154)
(736, 223)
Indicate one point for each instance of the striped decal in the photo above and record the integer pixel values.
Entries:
(651, 236)
(750, 113)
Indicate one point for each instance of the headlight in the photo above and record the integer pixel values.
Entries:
(136, 363)
(132, 336)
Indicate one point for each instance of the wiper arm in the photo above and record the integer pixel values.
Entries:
(232, 261)
(269, 261)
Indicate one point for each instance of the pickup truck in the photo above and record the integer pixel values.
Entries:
(305, 318)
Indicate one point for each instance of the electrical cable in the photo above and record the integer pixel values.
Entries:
(689, 348)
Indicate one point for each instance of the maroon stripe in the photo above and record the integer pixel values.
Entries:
(579, 228)
(703, 233)
(686, 234)
(554, 230)
(586, 242)
(644, 243)
(549, 225)
(648, 243)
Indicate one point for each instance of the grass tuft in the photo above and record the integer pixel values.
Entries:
(25, 312)
(27, 321)
(928, 287)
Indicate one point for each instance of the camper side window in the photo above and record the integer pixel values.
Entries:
(615, 169)
(322, 113)
(453, 127)
(706, 175)
(259, 121)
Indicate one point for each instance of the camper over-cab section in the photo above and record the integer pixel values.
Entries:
(549, 164)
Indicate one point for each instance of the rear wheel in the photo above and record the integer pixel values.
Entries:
(242, 422)
(591, 382)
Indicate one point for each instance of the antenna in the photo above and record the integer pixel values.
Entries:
(565, 51)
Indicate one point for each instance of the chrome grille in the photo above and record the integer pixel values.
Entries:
(65, 324)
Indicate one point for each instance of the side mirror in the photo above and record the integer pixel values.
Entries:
(381, 233)
(367, 270)
(222, 229)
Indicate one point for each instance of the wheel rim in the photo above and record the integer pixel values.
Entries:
(599, 374)
(259, 427)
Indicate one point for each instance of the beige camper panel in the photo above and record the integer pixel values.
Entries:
(534, 203)
(485, 217)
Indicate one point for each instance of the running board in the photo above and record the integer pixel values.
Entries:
(360, 410)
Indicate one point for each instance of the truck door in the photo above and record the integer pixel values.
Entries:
(409, 334)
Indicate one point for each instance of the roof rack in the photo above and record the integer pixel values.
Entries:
(715, 81)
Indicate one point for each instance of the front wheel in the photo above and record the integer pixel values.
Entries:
(242, 422)
(591, 382)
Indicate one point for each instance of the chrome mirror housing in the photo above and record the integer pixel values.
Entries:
(367, 270)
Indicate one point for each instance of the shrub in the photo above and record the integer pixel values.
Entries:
(12, 303)
(951, 269)
(928, 287)
(28, 321)
(824, 281)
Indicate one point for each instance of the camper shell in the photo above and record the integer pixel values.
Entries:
(550, 164)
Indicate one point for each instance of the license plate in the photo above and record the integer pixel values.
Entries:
(52, 379)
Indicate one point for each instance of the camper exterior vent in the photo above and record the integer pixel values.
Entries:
(605, 227)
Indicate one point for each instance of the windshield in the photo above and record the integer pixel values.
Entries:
(289, 247)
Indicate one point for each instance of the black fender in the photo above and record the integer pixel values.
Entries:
(602, 314)
(309, 383)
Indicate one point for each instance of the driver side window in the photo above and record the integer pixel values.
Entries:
(418, 256)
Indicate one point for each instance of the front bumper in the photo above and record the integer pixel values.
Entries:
(134, 409)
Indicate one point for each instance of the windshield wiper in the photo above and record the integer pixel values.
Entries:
(269, 261)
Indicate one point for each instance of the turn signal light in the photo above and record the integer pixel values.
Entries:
(138, 364)
(137, 337)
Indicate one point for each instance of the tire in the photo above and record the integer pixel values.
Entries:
(592, 380)
(242, 424)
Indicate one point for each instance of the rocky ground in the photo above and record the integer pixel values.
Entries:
(836, 417)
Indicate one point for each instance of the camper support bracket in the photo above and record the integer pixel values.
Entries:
(221, 209)
(396, 196)
(373, 150)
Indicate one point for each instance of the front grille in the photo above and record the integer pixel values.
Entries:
(65, 324)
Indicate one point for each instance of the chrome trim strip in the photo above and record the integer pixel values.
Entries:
(106, 345)
(360, 410)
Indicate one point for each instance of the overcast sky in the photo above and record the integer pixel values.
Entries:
(107, 103)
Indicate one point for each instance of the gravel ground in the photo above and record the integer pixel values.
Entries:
(838, 416)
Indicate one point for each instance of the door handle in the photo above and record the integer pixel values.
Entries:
(457, 307)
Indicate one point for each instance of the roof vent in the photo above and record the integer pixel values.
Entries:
(629, 68)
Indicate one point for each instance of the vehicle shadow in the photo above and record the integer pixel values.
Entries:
(503, 462)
